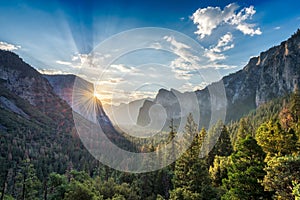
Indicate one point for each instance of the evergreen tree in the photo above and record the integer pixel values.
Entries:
(223, 146)
(191, 179)
(296, 190)
(219, 170)
(147, 179)
(243, 131)
(276, 141)
(171, 136)
(80, 191)
(56, 186)
(281, 173)
(27, 183)
(295, 105)
(246, 171)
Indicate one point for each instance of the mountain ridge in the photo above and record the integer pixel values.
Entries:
(274, 73)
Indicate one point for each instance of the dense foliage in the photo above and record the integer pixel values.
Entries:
(256, 157)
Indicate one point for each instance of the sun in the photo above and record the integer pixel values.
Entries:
(96, 95)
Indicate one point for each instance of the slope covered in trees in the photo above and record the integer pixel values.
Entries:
(260, 160)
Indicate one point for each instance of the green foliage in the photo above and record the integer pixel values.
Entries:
(109, 189)
(276, 141)
(244, 129)
(27, 183)
(182, 193)
(191, 179)
(56, 186)
(77, 175)
(281, 173)
(265, 112)
(245, 172)
(219, 138)
(80, 191)
(296, 190)
(219, 170)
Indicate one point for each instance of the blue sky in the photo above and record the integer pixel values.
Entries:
(58, 36)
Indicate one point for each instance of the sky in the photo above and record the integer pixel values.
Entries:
(130, 49)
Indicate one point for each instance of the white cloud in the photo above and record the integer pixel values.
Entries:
(221, 66)
(248, 29)
(63, 63)
(156, 45)
(208, 19)
(212, 56)
(277, 28)
(110, 81)
(51, 71)
(121, 68)
(186, 62)
(8, 47)
(224, 43)
(188, 86)
(80, 57)
(175, 44)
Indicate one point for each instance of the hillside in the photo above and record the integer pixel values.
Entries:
(272, 74)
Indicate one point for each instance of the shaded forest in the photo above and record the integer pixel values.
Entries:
(256, 157)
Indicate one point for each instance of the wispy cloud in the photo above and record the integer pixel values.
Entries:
(186, 60)
(51, 71)
(121, 68)
(188, 86)
(188, 63)
(63, 63)
(277, 28)
(224, 43)
(209, 18)
(8, 47)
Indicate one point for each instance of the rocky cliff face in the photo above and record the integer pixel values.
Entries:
(63, 86)
(272, 74)
(82, 102)
(22, 80)
(47, 99)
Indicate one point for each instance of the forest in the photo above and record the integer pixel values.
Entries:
(256, 157)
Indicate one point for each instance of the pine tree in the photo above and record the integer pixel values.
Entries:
(147, 180)
(56, 186)
(246, 171)
(243, 131)
(276, 141)
(223, 146)
(219, 170)
(191, 179)
(171, 136)
(295, 104)
(281, 173)
(27, 183)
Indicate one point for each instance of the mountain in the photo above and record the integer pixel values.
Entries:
(20, 79)
(35, 123)
(81, 99)
(124, 114)
(36, 120)
(274, 73)
(63, 85)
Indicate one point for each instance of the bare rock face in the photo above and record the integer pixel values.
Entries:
(63, 86)
(50, 95)
(280, 70)
(24, 81)
(274, 73)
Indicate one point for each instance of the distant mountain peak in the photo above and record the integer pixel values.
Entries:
(274, 73)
